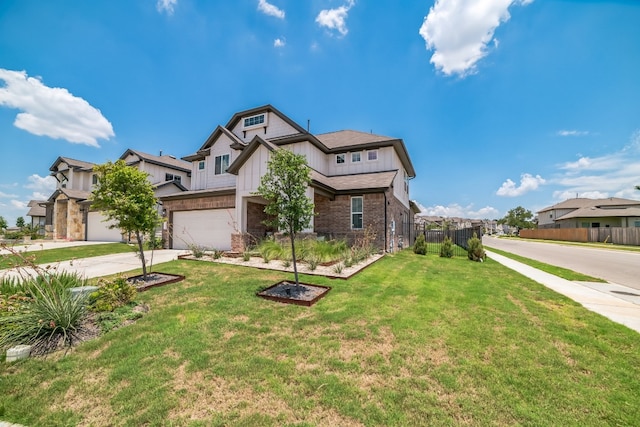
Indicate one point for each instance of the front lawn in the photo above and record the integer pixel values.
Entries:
(412, 340)
(63, 254)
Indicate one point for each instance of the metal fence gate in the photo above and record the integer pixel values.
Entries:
(459, 238)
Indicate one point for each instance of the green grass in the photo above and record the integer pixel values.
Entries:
(412, 340)
(64, 254)
(551, 269)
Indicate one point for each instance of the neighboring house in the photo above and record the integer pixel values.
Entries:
(37, 212)
(69, 215)
(360, 182)
(591, 213)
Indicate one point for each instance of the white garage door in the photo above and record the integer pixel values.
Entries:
(209, 228)
(99, 231)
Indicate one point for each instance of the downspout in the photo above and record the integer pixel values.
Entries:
(384, 193)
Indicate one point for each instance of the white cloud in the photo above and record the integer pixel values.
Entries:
(459, 31)
(573, 133)
(18, 204)
(335, 19)
(269, 9)
(455, 210)
(52, 112)
(279, 42)
(528, 183)
(166, 6)
(39, 183)
(7, 195)
(610, 175)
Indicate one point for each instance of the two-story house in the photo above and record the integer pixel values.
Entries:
(360, 184)
(68, 210)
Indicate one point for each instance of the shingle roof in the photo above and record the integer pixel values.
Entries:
(73, 163)
(348, 138)
(162, 160)
(364, 181)
(597, 212)
(36, 209)
(579, 203)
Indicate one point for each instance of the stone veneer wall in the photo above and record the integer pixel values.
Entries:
(193, 203)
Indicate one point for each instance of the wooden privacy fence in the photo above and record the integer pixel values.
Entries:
(459, 238)
(616, 235)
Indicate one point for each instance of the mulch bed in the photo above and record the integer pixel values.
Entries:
(288, 293)
(153, 280)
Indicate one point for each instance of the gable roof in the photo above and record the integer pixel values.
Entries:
(73, 164)
(71, 194)
(177, 184)
(579, 203)
(36, 209)
(263, 109)
(165, 160)
(247, 152)
(602, 212)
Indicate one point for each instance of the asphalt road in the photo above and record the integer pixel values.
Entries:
(621, 267)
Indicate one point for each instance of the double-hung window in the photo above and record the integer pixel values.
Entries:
(222, 164)
(356, 157)
(356, 212)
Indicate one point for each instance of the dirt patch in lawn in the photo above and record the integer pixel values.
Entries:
(153, 280)
(291, 293)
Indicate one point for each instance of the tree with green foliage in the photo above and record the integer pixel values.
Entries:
(475, 250)
(446, 248)
(125, 195)
(518, 217)
(420, 246)
(3, 224)
(20, 222)
(284, 186)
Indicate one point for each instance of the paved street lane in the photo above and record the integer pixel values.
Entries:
(621, 267)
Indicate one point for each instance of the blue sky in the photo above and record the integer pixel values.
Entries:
(501, 103)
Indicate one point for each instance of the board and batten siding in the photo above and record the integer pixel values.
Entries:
(275, 127)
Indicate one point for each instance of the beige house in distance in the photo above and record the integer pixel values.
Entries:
(68, 209)
(591, 213)
(360, 183)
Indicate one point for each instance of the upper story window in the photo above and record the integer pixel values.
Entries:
(172, 177)
(222, 164)
(372, 155)
(201, 165)
(257, 120)
(340, 159)
(356, 157)
(94, 179)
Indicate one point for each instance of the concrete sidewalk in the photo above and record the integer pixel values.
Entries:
(106, 264)
(615, 302)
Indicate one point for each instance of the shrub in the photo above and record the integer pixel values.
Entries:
(45, 316)
(420, 246)
(216, 253)
(312, 261)
(155, 243)
(338, 268)
(446, 248)
(112, 294)
(475, 251)
(197, 250)
(246, 256)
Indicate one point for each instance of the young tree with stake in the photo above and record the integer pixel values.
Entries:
(125, 195)
(284, 187)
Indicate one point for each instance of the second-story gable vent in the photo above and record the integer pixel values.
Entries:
(255, 121)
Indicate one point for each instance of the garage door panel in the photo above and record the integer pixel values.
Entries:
(209, 228)
(98, 230)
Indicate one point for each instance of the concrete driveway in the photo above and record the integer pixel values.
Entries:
(615, 266)
(97, 266)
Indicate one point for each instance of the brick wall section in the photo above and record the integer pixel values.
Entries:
(333, 219)
(189, 204)
(255, 218)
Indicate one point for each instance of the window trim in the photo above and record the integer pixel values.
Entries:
(371, 152)
(254, 125)
(201, 165)
(218, 168)
(360, 212)
(359, 153)
(339, 157)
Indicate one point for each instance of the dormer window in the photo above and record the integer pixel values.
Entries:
(340, 159)
(356, 157)
(372, 155)
(172, 177)
(255, 121)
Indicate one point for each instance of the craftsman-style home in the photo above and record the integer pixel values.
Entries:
(360, 184)
(68, 210)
